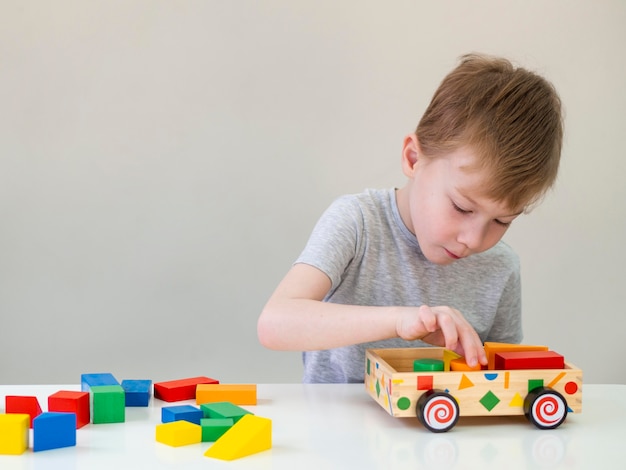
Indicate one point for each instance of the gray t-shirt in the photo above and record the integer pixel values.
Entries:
(371, 258)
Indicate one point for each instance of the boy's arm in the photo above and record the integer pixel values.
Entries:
(295, 318)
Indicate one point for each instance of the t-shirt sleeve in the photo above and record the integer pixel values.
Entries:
(335, 239)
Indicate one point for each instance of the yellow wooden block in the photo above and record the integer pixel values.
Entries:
(492, 348)
(238, 394)
(14, 433)
(449, 356)
(178, 433)
(249, 435)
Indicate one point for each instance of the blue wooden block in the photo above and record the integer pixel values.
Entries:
(181, 413)
(95, 380)
(53, 430)
(138, 392)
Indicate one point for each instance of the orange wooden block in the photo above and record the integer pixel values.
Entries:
(513, 360)
(492, 348)
(459, 364)
(237, 394)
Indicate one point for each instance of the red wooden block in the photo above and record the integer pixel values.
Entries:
(72, 402)
(25, 405)
(179, 390)
(512, 360)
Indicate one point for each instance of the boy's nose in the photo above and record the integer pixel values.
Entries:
(472, 236)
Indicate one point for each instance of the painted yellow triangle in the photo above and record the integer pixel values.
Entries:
(249, 435)
(465, 382)
(517, 401)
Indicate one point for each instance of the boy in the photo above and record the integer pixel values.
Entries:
(425, 263)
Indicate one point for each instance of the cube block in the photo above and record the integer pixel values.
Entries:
(214, 428)
(108, 404)
(93, 380)
(138, 392)
(71, 402)
(14, 433)
(54, 430)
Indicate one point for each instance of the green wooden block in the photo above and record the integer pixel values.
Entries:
(428, 365)
(108, 404)
(213, 428)
(223, 410)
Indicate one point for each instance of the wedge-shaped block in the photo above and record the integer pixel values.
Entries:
(71, 402)
(181, 413)
(23, 404)
(179, 390)
(178, 433)
(108, 404)
(250, 435)
(513, 360)
(223, 410)
(138, 392)
(239, 394)
(14, 433)
(214, 428)
(94, 380)
(54, 430)
(492, 348)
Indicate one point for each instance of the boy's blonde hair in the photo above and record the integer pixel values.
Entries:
(509, 116)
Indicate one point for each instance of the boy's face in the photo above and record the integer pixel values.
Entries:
(443, 205)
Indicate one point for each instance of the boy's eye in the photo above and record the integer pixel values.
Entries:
(504, 224)
(458, 209)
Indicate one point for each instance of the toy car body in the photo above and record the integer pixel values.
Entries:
(438, 399)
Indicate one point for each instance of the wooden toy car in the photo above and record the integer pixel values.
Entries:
(439, 398)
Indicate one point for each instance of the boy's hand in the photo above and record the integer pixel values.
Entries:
(442, 326)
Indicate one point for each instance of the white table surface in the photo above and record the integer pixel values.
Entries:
(340, 427)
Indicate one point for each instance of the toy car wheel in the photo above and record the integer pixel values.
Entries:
(438, 411)
(545, 408)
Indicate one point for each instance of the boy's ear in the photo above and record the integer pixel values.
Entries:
(410, 154)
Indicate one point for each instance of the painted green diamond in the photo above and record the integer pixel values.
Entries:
(377, 388)
(489, 400)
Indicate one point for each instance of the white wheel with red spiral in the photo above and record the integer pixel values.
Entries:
(545, 408)
(437, 410)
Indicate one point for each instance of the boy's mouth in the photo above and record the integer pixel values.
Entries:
(451, 255)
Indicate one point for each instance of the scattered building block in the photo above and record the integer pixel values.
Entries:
(250, 435)
(492, 348)
(108, 404)
(71, 402)
(181, 413)
(23, 405)
(178, 433)
(428, 365)
(138, 392)
(529, 360)
(460, 365)
(223, 410)
(54, 430)
(179, 390)
(238, 394)
(95, 380)
(214, 428)
(14, 433)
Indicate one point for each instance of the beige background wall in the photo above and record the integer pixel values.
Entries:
(162, 164)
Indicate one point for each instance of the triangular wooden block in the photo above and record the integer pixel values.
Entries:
(249, 435)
